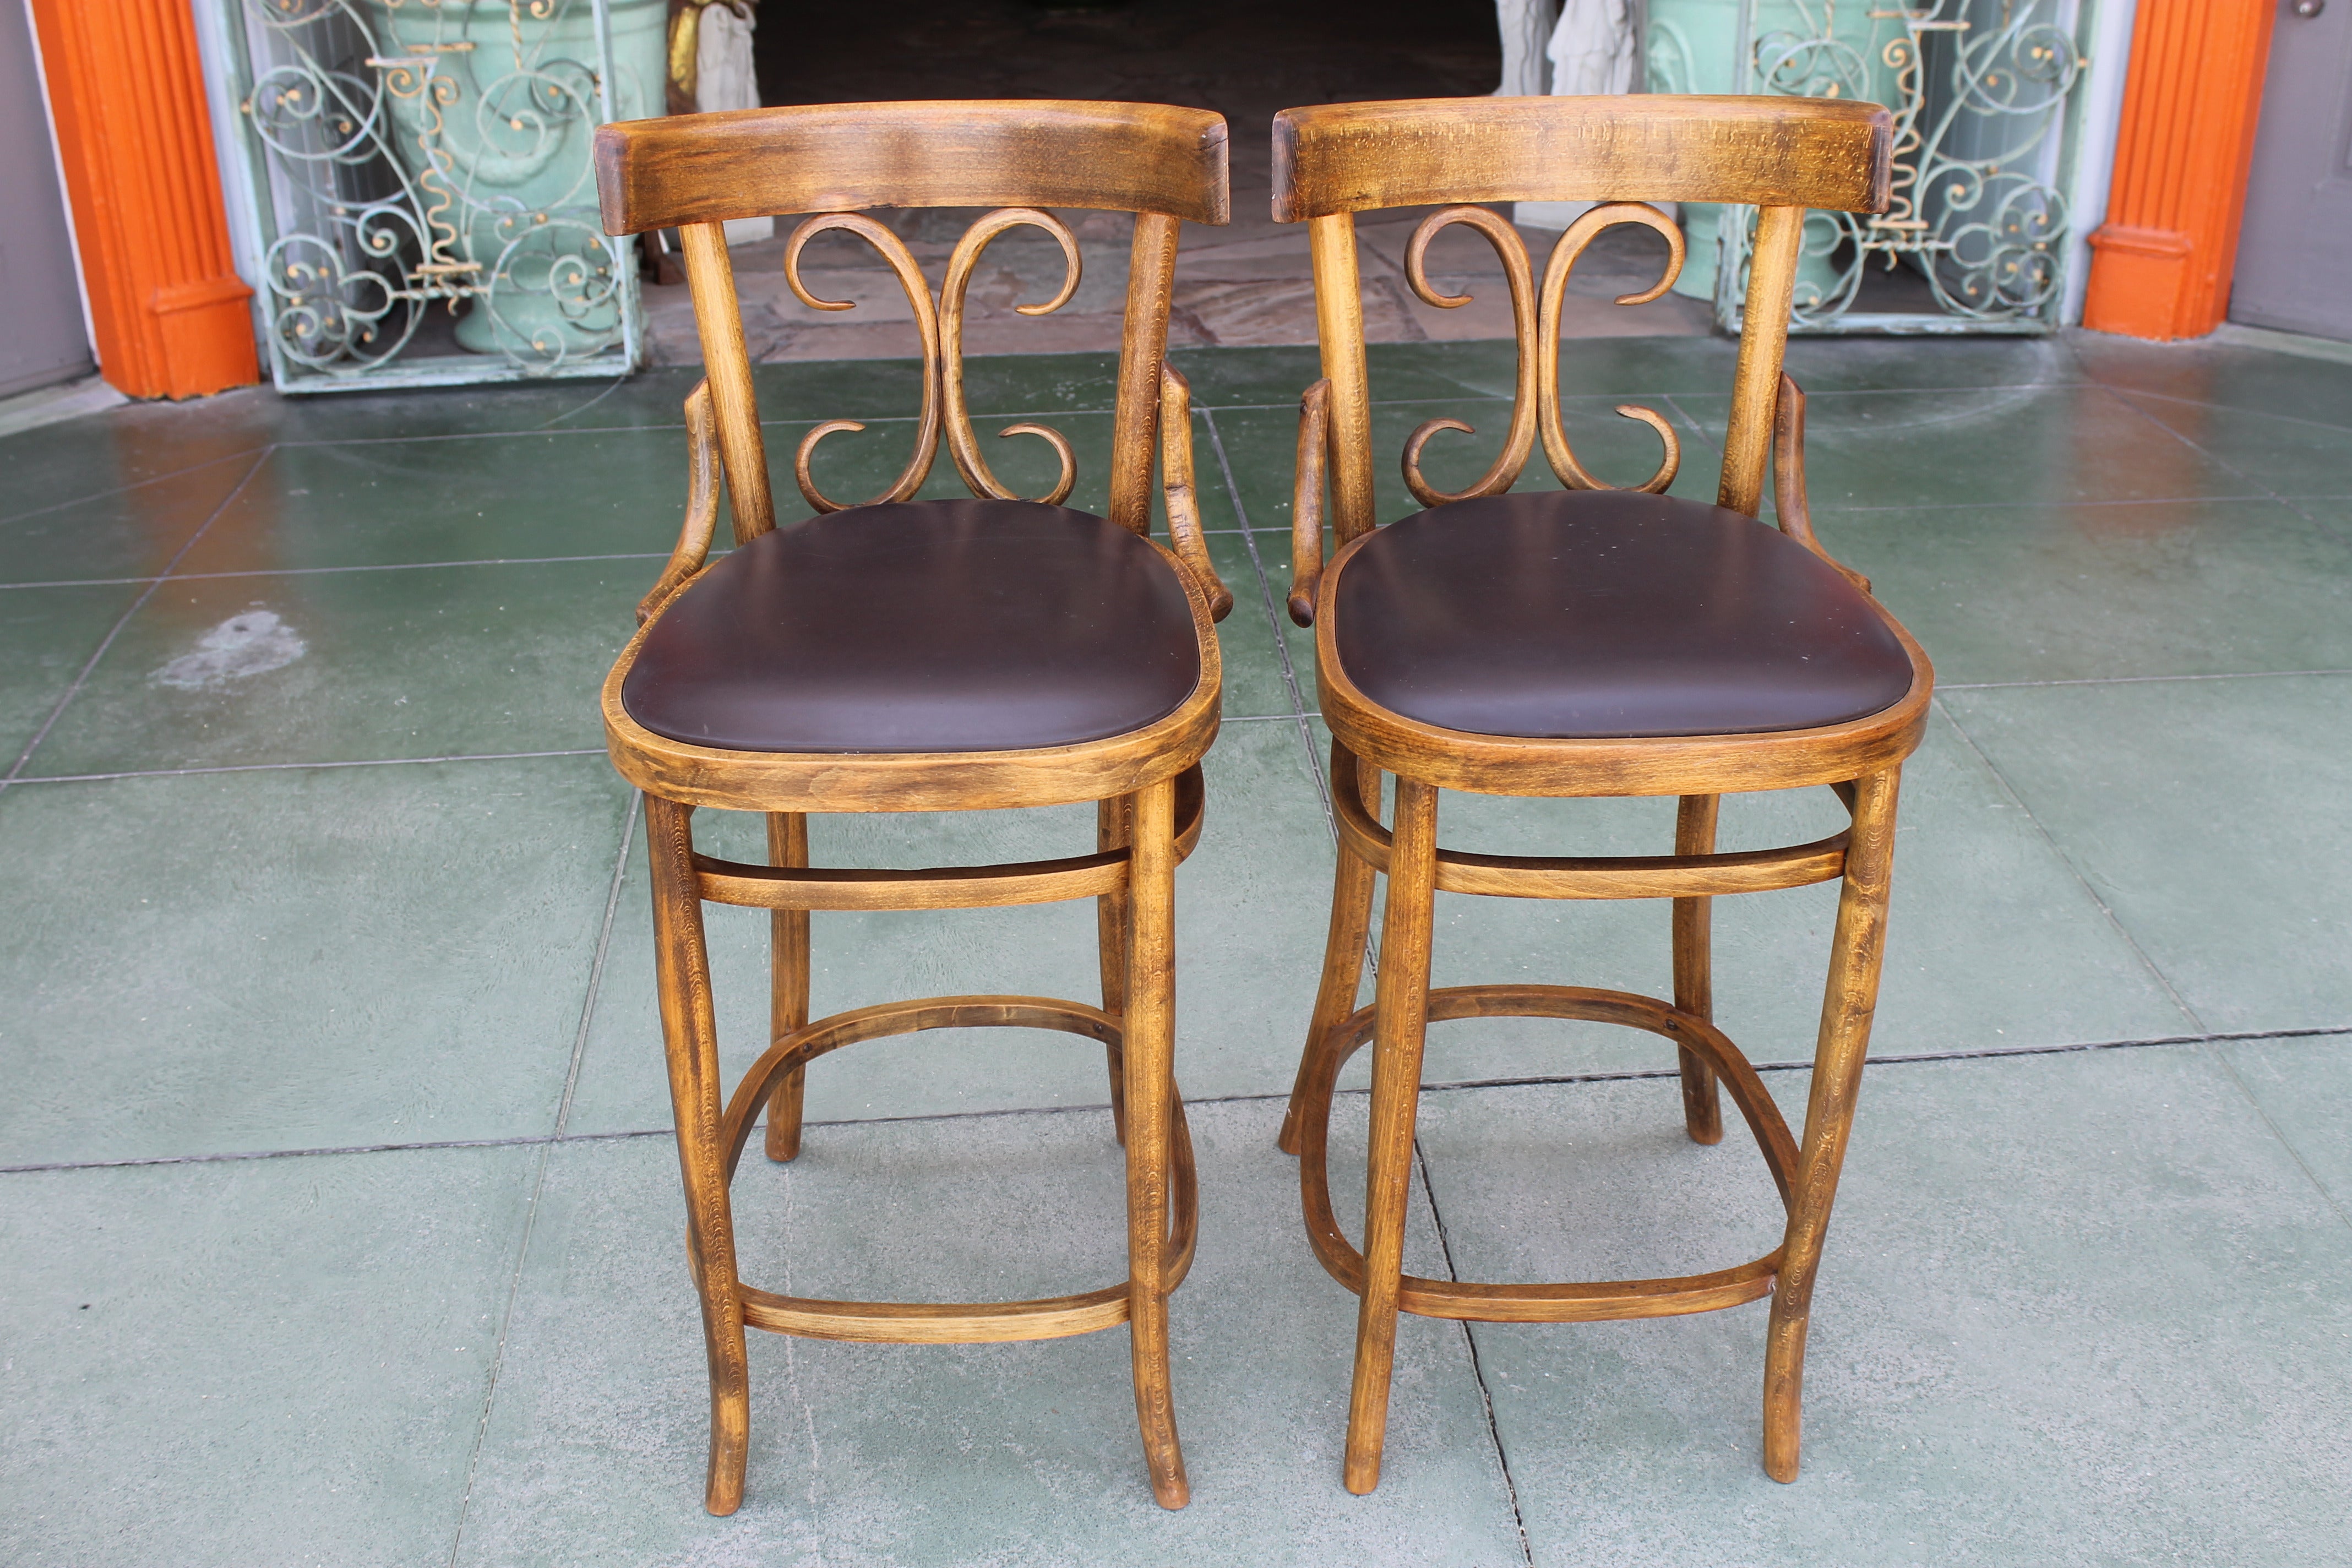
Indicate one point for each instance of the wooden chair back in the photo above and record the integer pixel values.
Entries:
(695, 172)
(1782, 155)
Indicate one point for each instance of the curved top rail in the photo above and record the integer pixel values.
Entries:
(843, 157)
(1436, 151)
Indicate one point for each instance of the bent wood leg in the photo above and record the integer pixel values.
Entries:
(1150, 1031)
(1401, 999)
(1694, 979)
(1111, 937)
(1343, 950)
(690, 1040)
(1847, 1003)
(788, 976)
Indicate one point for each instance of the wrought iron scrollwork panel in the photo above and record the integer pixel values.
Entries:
(1980, 93)
(416, 155)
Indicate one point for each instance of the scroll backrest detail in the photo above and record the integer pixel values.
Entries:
(1019, 158)
(1782, 155)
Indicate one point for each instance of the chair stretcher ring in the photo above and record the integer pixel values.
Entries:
(1547, 1303)
(975, 1323)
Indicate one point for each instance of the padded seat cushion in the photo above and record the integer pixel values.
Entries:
(1609, 614)
(950, 626)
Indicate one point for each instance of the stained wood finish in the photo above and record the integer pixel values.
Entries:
(839, 157)
(1438, 152)
(1162, 164)
(1782, 155)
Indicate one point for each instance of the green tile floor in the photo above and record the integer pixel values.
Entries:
(338, 1221)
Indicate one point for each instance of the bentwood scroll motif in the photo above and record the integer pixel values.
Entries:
(1536, 318)
(941, 327)
(927, 324)
(961, 447)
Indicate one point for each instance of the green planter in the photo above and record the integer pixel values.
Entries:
(495, 109)
(1806, 48)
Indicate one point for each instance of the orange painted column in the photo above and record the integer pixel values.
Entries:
(2163, 258)
(127, 93)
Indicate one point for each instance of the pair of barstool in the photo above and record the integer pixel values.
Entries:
(966, 655)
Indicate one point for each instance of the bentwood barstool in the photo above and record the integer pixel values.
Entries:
(1585, 642)
(925, 656)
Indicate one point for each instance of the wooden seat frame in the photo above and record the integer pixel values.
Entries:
(1781, 156)
(1163, 165)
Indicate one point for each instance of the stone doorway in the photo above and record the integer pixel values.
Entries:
(1245, 284)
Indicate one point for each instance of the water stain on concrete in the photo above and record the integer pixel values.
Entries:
(250, 643)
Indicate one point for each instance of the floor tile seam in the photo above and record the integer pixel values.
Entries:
(2075, 870)
(596, 965)
(1281, 643)
(294, 767)
(1443, 1086)
(80, 582)
(498, 1352)
(611, 387)
(73, 691)
(418, 565)
(1478, 1370)
(1829, 509)
(1257, 562)
(2254, 1102)
(2231, 408)
(2224, 464)
(2133, 680)
(261, 448)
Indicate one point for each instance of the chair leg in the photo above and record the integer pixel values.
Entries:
(1402, 1000)
(1149, 1030)
(1343, 952)
(690, 1039)
(1111, 819)
(1846, 1006)
(788, 976)
(1694, 980)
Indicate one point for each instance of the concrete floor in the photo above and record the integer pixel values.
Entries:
(339, 1220)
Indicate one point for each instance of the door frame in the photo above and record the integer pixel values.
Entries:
(2192, 99)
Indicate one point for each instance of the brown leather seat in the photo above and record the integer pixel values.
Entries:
(945, 625)
(1585, 614)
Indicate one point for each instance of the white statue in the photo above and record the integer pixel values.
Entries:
(1594, 49)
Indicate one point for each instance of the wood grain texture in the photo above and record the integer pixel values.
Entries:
(1340, 328)
(1400, 1015)
(1791, 510)
(693, 547)
(917, 292)
(1849, 1002)
(1041, 153)
(1782, 155)
(1695, 823)
(969, 462)
(1162, 164)
(727, 371)
(1763, 339)
(1148, 1036)
(1183, 496)
(1526, 392)
(690, 1042)
(1438, 152)
(788, 981)
(1307, 506)
(1142, 351)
